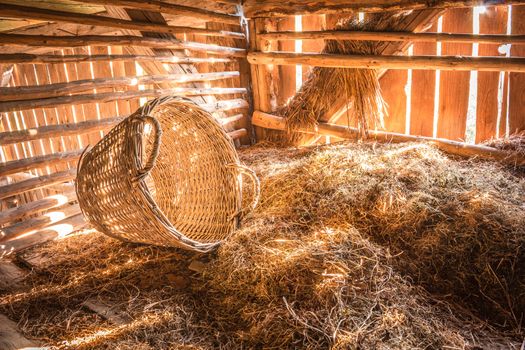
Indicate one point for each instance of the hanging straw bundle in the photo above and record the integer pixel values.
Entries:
(360, 86)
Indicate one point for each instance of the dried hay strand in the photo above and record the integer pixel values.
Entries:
(299, 275)
(456, 227)
(360, 87)
(273, 285)
(514, 143)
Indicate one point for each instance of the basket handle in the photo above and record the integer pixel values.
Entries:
(256, 187)
(157, 132)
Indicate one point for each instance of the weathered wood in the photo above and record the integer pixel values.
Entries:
(37, 183)
(16, 11)
(10, 277)
(108, 40)
(237, 134)
(453, 147)
(108, 312)
(423, 93)
(27, 209)
(10, 337)
(271, 8)
(32, 224)
(60, 229)
(172, 9)
(113, 96)
(46, 59)
(286, 77)
(452, 63)
(393, 91)
(16, 166)
(492, 21)
(231, 120)
(396, 36)
(516, 92)
(454, 86)
(225, 105)
(58, 130)
(61, 89)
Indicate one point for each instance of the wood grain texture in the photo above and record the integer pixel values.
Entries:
(493, 21)
(454, 86)
(393, 91)
(423, 93)
(269, 8)
(286, 86)
(517, 80)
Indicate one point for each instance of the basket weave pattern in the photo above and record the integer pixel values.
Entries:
(167, 175)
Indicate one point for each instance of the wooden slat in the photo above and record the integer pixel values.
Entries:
(61, 89)
(60, 229)
(10, 277)
(125, 40)
(113, 96)
(10, 336)
(272, 8)
(447, 63)
(517, 80)
(312, 22)
(58, 130)
(36, 183)
(24, 12)
(422, 93)
(173, 9)
(393, 91)
(493, 21)
(286, 74)
(60, 5)
(27, 209)
(37, 223)
(392, 36)
(16, 166)
(45, 59)
(454, 86)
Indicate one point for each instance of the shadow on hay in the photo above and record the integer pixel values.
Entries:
(299, 275)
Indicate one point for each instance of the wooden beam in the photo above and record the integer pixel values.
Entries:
(46, 59)
(276, 8)
(231, 120)
(12, 338)
(113, 96)
(37, 183)
(58, 130)
(62, 89)
(237, 134)
(109, 40)
(17, 166)
(60, 229)
(24, 210)
(396, 36)
(172, 9)
(269, 121)
(453, 63)
(16, 11)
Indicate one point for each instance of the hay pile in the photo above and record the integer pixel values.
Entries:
(515, 143)
(299, 274)
(457, 227)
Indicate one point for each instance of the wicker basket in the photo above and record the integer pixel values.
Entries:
(185, 191)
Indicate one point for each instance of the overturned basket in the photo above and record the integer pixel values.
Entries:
(185, 191)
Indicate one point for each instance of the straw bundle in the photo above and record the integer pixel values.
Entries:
(360, 87)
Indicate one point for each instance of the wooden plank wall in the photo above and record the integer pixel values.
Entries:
(26, 74)
(495, 97)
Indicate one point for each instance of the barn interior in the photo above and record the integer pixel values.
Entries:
(379, 201)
